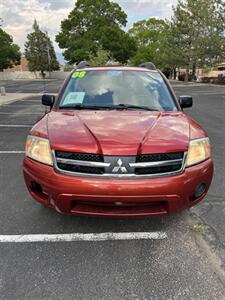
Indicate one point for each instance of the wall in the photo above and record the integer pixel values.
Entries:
(31, 75)
(23, 66)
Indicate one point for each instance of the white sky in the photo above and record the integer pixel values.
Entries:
(18, 15)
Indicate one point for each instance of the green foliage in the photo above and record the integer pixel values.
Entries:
(68, 68)
(39, 51)
(194, 37)
(100, 58)
(150, 35)
(200, 228)
(95, 24)
(9, 52)
(148, 32)
(197, 32)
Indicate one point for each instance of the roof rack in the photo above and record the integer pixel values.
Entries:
(148, 65)
(83, 64)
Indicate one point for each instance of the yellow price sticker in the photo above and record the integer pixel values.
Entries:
(79, 74)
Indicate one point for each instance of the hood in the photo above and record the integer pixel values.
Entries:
(118, 132)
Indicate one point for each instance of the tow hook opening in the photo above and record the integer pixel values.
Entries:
(199, 191)
(37, 189)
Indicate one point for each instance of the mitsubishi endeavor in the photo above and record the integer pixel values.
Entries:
(116, 142)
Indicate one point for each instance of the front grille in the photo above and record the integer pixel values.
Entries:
(157, 170)
(159, 157)
(125, 208)
(79, 156)
(81, 169)
(144, 165)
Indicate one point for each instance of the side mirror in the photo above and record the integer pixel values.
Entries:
(48, 100)
(185, 101)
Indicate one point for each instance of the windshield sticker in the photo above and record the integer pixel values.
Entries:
(79, 74)
(74, 98)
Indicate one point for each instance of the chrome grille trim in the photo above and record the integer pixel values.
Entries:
(121, 176)
(156, 163)
(82, 163)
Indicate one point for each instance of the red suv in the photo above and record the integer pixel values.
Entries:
(116, 142)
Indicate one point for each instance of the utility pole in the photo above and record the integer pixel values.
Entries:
(49, 57)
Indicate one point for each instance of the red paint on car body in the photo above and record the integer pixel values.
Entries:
(121, 133)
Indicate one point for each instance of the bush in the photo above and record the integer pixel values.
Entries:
(68, 68)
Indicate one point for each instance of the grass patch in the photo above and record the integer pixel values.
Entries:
(200, 228)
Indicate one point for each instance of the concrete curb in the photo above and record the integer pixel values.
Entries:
(178, 83)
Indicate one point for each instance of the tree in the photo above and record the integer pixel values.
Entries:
(40, 52)
(101, 58)
(150, 35)
(197, 33)
(9, 52)
(95, 24)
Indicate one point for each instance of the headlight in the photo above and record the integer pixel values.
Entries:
(39, 149)
(199, 150)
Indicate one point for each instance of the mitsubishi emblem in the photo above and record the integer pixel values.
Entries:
(119, 167)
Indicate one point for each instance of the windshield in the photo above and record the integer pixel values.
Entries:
(117, 89)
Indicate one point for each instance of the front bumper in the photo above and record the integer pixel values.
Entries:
(116, 197)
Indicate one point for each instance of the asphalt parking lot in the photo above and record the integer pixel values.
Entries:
(183, 265)
(31, 86)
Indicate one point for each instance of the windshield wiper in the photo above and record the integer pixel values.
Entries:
(81, 106)
(118, 106)
(131, 106)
